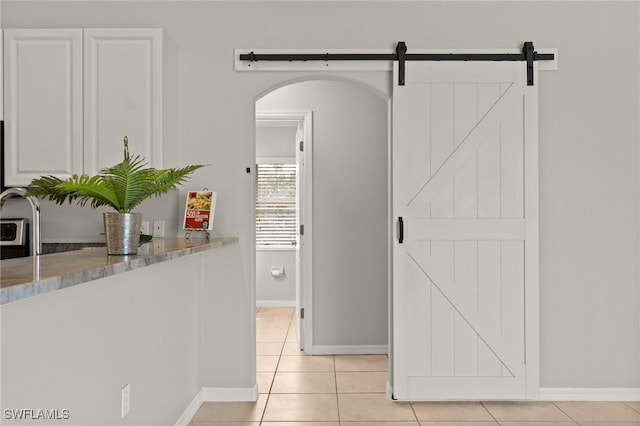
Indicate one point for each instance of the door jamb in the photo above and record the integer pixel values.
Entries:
(303, 118)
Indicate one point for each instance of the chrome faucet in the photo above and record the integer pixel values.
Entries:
(36, 245)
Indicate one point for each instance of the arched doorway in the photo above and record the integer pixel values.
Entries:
(346, 294)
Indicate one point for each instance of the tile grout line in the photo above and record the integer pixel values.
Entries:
(565, 413)
(631, 406)
(335, 376)
(488, 411)
(414, 412)
(264, 411)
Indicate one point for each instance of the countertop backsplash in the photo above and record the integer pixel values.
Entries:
(71, 223)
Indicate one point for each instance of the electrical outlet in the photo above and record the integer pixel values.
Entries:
(158, 246)
(145, 227)
(126, 400)
(158, 228)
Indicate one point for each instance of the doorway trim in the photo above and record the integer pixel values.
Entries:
(304, 120)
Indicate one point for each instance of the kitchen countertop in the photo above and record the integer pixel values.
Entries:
(31, 276)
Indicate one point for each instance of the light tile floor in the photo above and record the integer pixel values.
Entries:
(341, 390)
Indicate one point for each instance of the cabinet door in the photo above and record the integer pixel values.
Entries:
(122, 95)
(43, 103)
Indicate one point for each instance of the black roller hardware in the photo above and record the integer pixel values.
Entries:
(401, 52)
(528, 54)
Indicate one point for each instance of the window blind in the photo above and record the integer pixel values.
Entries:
(275, 206)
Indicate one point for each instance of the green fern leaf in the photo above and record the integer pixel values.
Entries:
(121, 187)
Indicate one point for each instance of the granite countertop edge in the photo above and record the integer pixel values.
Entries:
(52, 282)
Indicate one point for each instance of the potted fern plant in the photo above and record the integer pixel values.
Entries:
(122, 187)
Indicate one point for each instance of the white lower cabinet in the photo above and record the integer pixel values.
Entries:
(71, 95)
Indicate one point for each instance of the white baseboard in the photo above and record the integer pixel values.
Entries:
(590, 394)
(275, 303)
(350, 350)
(230, 394)
(190, 411)
(216, 395)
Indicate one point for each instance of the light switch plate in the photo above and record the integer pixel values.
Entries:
(158, 228)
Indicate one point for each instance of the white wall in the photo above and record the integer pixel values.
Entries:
(589, 112)
(228, 316)
(349, 208)
(276, 142)
(76, 348)
(166, 330)
(71, 223)
(275, 291)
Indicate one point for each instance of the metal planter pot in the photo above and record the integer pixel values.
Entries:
(122, 232)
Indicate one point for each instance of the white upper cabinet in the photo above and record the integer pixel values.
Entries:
(43, 103)
(72, 95)
(122, 96)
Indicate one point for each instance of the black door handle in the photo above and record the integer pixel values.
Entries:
(400, 230)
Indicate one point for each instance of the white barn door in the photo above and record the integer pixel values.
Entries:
(465, 280)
